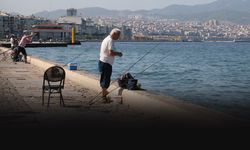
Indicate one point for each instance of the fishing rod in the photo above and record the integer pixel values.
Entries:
(141, 58)
(151, 65)
(91, 101)
(165, 57)
(184, 60)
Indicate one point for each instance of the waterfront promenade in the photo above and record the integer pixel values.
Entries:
(21, 104)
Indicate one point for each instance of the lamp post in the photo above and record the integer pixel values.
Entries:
(73, 35)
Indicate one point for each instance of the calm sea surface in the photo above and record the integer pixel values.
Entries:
(215, 75)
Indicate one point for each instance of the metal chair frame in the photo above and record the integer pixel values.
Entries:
(55, 83)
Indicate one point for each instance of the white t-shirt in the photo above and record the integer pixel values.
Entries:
(107, 44)
(13, 42)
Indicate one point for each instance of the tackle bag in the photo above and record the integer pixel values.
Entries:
(127, 81)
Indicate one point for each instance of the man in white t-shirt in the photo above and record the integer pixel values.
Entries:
(107, 56)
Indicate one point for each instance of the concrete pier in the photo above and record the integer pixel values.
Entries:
(21, 104)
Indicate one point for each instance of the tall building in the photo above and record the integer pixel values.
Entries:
(71, 12)
(4, 24)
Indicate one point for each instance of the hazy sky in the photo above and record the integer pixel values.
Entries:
(27, 7)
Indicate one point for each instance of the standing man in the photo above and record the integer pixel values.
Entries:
(22, 44)
(107, 57)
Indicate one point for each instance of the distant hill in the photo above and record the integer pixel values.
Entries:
(90, 12)
(237, 11)
(15, 14)
(219, 5)
(229, 10)
(51, 15)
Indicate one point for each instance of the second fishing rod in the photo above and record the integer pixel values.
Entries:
(166, 56)
(129, 68)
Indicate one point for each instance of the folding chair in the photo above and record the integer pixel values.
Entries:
(55, 77)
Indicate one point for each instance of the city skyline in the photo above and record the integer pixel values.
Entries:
(50, 5)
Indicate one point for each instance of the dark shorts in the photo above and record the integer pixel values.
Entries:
(21, 50)
(105, 70)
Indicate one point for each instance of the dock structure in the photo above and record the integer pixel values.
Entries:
(21, 92)
(47, 44)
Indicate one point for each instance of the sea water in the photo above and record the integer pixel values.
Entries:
(214, 75)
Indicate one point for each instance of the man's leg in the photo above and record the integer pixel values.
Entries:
(18, 51)
(104, 92)
(106, 72)
(25, 55)
(23, 51)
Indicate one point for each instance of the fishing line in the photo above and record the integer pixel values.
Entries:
(161, 59)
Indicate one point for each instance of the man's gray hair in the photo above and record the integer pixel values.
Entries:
(115, 30)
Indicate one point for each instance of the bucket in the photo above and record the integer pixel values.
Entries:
(72, 66)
